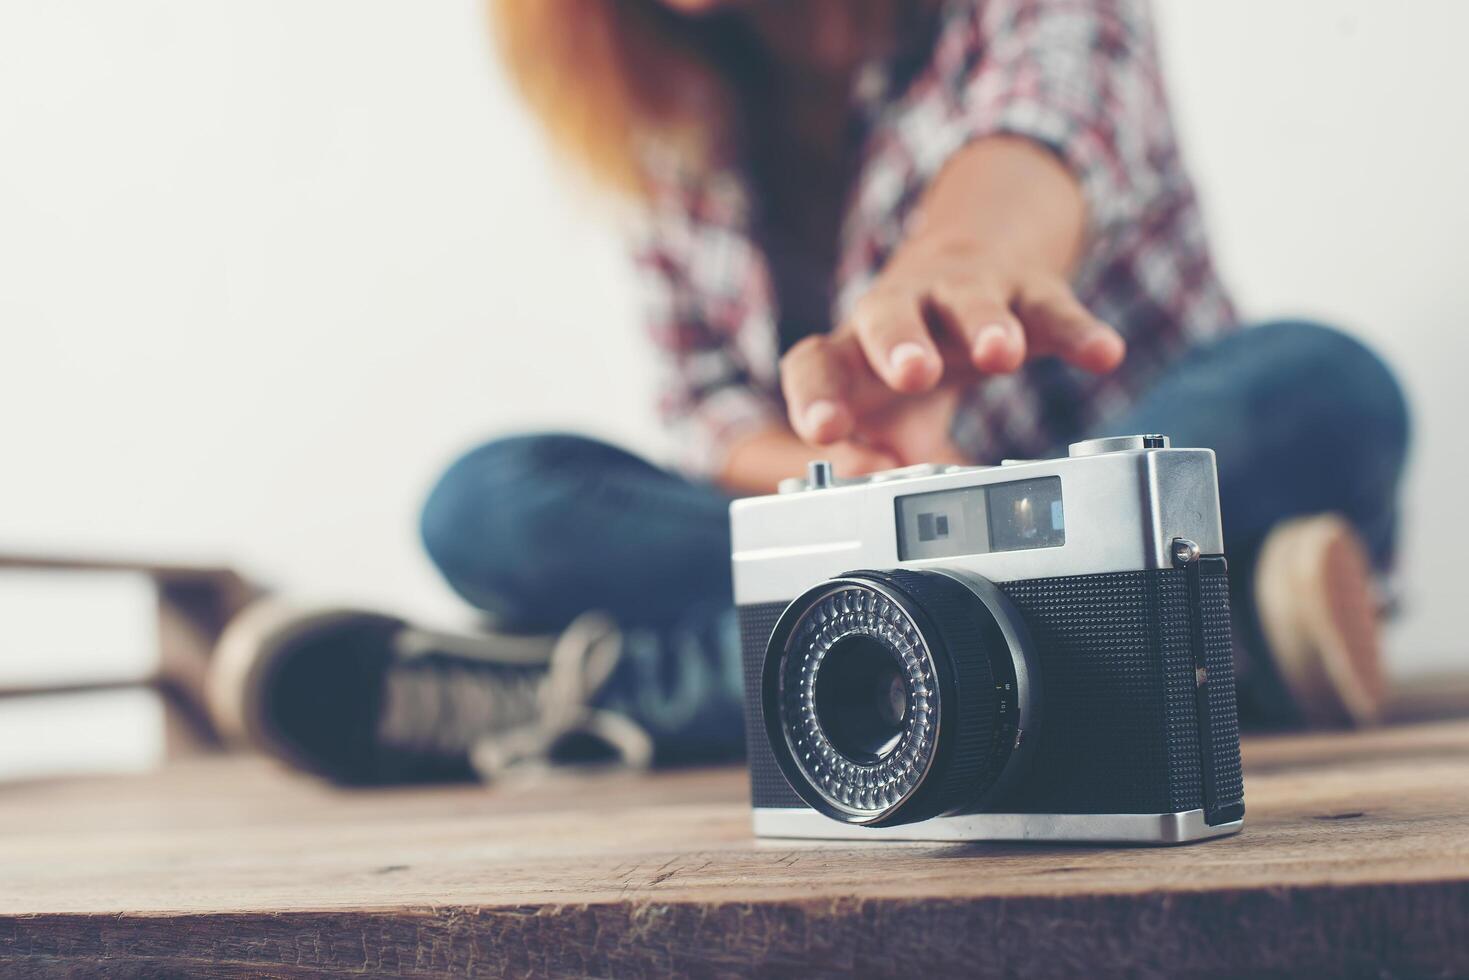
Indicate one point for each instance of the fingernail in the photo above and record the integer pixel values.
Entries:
(989, 339)
(907, 353)
(1106, 346)
(818, 415)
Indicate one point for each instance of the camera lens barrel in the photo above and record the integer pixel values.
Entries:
(894, 696)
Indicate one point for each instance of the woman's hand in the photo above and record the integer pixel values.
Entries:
(960, 299)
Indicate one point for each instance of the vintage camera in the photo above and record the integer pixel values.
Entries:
(1038, 650)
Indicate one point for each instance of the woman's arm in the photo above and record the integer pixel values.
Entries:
(1057, 124)
(979, 286)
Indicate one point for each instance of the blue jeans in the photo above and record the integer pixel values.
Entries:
(536, 529)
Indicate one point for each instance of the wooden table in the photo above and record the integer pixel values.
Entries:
(1354, 859)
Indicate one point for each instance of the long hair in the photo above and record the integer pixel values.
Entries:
(610, 77)
(607, 76)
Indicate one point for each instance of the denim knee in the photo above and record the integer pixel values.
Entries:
(492, 513)
(1346, 375)
(1338, 424)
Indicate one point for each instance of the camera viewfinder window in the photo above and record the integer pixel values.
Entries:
(977, 520)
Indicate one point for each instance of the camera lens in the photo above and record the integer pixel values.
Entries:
(861, 697)
(890, 697)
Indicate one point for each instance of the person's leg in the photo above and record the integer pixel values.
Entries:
(1304, 421)
(537, 529)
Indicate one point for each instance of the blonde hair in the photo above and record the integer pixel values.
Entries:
(609, 77)
(606, 76)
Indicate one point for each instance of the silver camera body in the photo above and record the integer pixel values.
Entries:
(1038, 650)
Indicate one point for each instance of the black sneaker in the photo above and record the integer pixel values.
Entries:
(365, 698)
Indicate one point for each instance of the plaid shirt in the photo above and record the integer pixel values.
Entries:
(1080, 77)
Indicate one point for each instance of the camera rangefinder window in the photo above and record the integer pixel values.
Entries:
(978, 520)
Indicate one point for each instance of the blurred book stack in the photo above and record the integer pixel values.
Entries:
(102, 662)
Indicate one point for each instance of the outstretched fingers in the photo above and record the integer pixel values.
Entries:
(1058, 324)
(895, 340)
(816, 383)
(977, 314)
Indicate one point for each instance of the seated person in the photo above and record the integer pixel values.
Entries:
(876, 232)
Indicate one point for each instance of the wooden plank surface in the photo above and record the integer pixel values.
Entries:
(1354, 860)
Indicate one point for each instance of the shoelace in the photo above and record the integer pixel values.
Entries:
(580, 663)
(435, 705)
(514, 707)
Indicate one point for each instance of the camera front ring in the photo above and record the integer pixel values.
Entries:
(891, 697)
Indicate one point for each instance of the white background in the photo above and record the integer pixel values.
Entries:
(266, 266)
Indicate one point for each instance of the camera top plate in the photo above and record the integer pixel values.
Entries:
(1125, 500)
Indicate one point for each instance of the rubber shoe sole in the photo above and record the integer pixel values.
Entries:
(1318, 613)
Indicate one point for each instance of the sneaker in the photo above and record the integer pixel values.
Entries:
(366, 698)
(1318, 616)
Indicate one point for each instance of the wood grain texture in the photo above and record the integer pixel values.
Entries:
(1354, 861)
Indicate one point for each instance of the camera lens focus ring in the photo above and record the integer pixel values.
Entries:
(880, 697)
